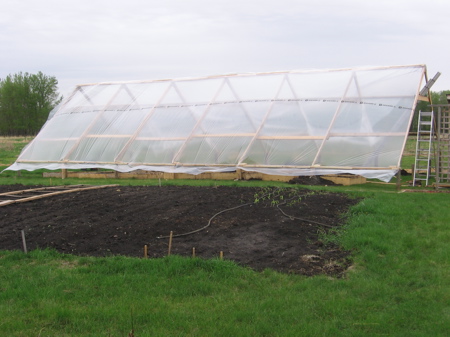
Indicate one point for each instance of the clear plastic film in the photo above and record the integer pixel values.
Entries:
(286, 123)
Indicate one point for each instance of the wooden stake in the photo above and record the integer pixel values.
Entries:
(145, 252)
(24, 242)
(170, 242)
(193, 251)
(221, 255)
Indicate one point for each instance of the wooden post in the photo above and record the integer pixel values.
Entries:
(221, 255)
(145, 252)
(239, 174)
(24, 242)
(63, 173)
(170, 243)
(193, 251)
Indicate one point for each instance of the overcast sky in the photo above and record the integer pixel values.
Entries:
(109, 40)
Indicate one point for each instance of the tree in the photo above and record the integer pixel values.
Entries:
(25, 102)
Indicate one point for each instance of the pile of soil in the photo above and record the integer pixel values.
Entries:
(279, 229)
(311, 181)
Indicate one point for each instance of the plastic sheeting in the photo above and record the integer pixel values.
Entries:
(286, 123)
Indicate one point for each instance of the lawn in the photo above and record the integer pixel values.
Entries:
(398, 285)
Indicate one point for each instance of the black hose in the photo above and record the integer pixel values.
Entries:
(209, 222)
(248, 204)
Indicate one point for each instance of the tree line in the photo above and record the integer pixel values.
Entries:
(25, 102)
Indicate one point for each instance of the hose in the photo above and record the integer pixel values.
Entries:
(209, 222)
(247, 204)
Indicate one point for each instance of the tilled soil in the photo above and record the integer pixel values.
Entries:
(260, 228)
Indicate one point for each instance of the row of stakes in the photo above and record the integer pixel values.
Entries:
(24, 243)
(170, 249)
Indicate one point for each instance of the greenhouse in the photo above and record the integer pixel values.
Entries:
(293, 123)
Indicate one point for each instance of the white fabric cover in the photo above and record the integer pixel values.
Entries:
(287, 123)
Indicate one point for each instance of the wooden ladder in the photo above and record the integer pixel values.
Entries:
(425, 134)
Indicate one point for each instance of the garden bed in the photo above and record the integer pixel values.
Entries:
(281, 229)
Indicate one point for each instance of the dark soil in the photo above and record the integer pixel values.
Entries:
(311, 180)
(121, 220)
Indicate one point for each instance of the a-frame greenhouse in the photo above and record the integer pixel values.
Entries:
(291, 123)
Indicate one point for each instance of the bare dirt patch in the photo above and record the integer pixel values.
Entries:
(282, 230)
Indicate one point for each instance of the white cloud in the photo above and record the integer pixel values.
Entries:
(99, 40)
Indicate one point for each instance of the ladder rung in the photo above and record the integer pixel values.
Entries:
(426, 113)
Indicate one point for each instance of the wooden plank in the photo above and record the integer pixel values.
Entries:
(369, 134)
(19, 195)
(162, 138)
(55, 193)
(234, 165)
(216, 135)
(246, 135)
(108, 136)
(290, 137)
(39, 189)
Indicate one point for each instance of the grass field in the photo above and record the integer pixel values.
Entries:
(399, 284)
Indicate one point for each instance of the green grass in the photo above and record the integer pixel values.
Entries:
(398, 285)
(10, 148)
